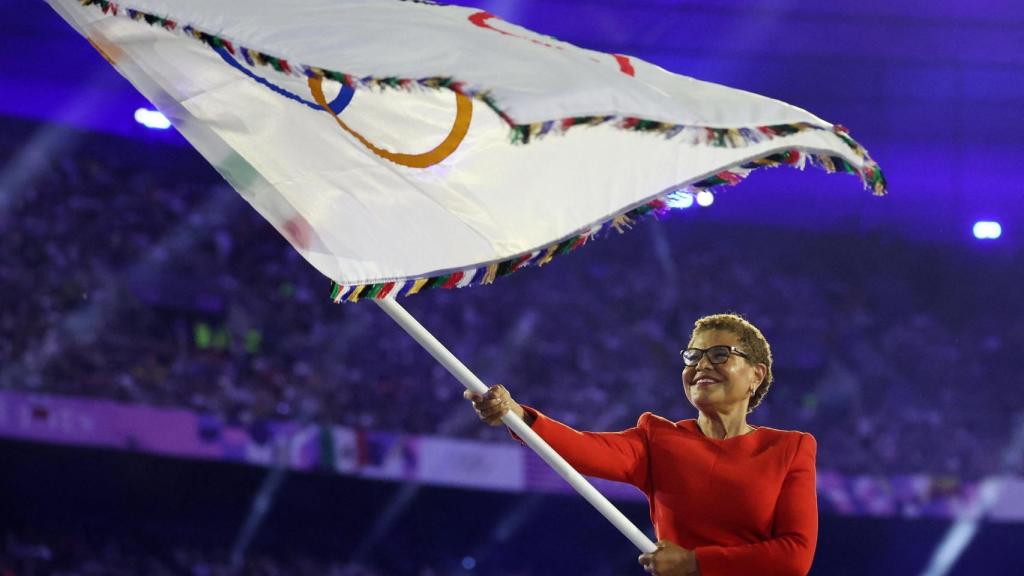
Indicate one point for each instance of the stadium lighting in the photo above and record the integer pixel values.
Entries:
(152, 119)
(680, 199)
(987, 230)
(705, 198)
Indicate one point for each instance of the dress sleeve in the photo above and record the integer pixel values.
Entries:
(619, 456)
(790, 550)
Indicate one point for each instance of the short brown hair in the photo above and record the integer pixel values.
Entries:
(753, 342)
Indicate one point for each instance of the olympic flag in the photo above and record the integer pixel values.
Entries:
(401, 146)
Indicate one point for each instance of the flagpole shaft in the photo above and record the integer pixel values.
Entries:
(516, 424)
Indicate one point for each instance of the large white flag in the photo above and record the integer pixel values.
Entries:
(404, 145)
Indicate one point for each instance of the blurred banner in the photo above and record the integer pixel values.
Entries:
(438, 461)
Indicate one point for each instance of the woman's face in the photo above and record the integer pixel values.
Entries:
(720, 387)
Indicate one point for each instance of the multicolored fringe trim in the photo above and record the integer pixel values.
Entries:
(621, 222)
(697, 135)
(870, 174)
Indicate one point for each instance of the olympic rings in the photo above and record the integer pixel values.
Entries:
(463, 117)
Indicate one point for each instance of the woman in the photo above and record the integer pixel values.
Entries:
(726, 498)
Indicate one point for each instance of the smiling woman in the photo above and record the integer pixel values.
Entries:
(725, 497)
(724, 335)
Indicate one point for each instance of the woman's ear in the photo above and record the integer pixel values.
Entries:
(760, 371)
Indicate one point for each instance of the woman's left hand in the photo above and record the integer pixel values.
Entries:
(670, 560)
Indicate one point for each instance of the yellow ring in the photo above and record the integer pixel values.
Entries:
(463, 116)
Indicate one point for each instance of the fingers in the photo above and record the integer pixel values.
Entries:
(667, 558)
(490, 407)
(494, 391)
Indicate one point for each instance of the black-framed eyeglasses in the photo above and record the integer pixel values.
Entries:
(716, 354)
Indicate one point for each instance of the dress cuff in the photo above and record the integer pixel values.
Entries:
(536, 418)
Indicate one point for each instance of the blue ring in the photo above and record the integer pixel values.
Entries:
(340, 102)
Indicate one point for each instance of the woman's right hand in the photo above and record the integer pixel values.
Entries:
(490, 407)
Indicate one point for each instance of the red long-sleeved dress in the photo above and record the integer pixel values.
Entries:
(746, 505)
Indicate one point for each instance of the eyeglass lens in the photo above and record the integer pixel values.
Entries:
(716, 355)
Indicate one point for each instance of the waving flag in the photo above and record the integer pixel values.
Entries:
(401, 146)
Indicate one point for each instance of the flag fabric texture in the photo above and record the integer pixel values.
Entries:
(401, 146)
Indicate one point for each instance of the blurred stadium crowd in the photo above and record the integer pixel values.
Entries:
(162, 286)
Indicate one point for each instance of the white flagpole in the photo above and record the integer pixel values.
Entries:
(516, 424)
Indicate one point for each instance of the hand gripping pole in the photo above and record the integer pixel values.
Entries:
(516, 424)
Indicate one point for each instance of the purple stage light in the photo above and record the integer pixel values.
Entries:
(152, 119)
(987, 230)
(680, 199)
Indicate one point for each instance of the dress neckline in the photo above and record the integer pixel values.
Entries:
(693, 427)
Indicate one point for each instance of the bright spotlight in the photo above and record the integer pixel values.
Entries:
(152, 119)
(680, 199)
(987, 230)
(705, 198)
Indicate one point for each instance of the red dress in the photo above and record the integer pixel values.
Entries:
(746, 505)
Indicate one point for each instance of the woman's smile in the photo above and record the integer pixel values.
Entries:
(704, 381)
